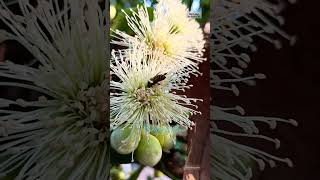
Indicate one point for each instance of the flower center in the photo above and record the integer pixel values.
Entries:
(92, 106)
(160, 42)
(144, 96)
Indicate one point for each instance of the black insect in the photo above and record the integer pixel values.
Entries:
(156, 80)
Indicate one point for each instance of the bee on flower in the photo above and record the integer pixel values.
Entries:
(144, 92)
(145, 102)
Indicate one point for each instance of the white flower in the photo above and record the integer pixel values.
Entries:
(63, 134)
(235, 25)
(171, 32)
(143, 92)
(231, 159)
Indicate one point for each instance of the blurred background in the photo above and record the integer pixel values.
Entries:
(202, 6)
(291, 90)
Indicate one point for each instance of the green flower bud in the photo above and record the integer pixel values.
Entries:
(166, 137)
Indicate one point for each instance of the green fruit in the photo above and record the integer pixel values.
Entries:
(125, 140)
(166, 137)
(149, 151)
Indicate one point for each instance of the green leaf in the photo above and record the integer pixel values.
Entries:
(120, 22)
(136, 174)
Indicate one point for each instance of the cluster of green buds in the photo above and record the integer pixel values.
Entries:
(147, 147)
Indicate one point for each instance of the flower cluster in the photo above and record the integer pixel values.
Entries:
(156, 63)
(64, 132)
(149, 75)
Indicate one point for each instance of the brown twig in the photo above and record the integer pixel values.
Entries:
(198, 162)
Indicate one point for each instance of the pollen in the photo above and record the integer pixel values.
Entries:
(144, 96)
